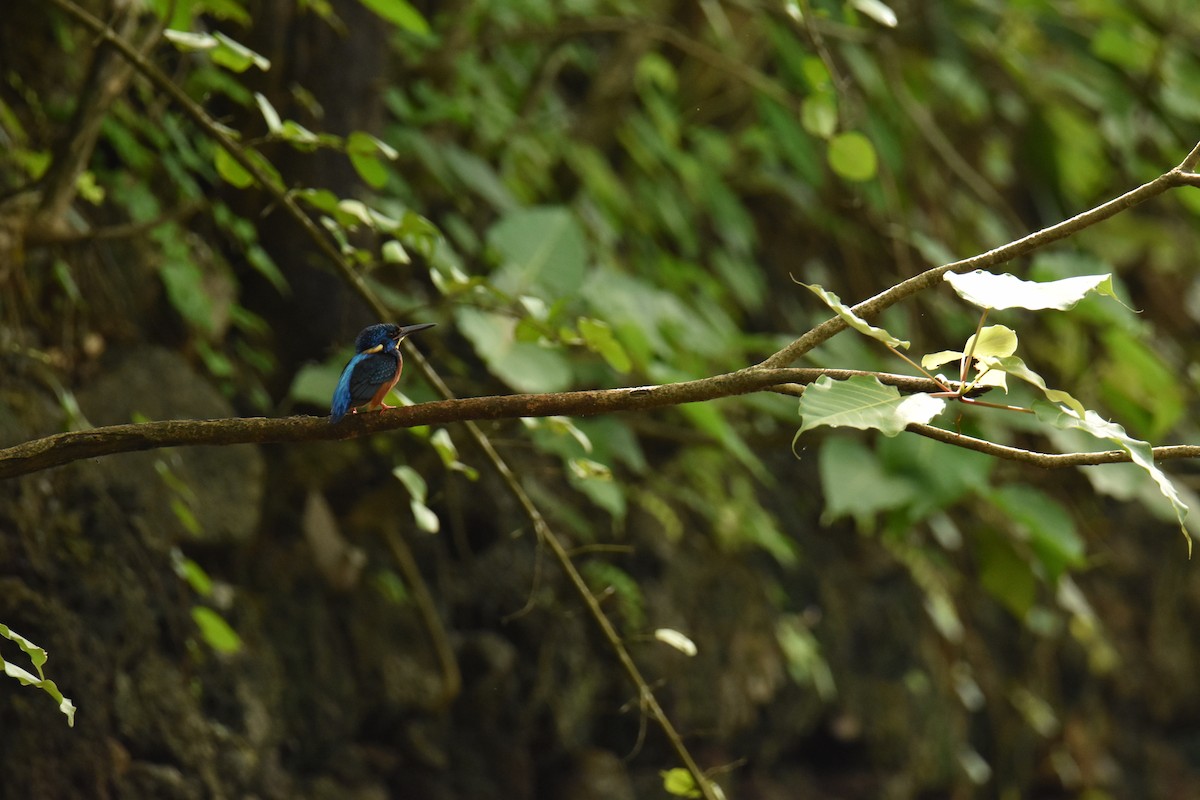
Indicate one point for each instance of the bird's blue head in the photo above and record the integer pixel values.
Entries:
(385, 336)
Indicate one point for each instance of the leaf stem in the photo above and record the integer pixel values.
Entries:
(965, 364)
(921, 369)
(1002, 406)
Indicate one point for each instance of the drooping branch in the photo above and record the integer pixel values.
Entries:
(355, 280)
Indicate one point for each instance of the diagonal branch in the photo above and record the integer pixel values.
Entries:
(107, 80)
(354, 279)
(1181, 175)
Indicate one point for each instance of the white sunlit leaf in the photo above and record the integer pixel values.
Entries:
(187, 41)
(988, 290)
(673, 638)
(426, 519)
(394, 253)
(270, 115)
(878, 11)
(412, 481)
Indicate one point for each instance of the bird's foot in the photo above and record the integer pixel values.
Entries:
(384, 406)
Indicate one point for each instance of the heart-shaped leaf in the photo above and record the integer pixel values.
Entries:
(864, 403)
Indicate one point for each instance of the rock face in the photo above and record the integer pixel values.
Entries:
(89, 576)
(213, 494)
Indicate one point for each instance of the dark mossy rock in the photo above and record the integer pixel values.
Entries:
(213, 494)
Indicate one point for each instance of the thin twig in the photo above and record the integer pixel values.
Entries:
(430, 619)
(544, 533)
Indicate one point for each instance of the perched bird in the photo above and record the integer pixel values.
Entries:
(374, 370)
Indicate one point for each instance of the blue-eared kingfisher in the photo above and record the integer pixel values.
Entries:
(374, 370)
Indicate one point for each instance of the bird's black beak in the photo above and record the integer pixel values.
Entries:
(407, 329)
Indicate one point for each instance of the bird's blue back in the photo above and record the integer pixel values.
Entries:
(375, 365)
(365, 373)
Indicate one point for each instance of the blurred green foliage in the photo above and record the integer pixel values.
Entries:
(603, 193)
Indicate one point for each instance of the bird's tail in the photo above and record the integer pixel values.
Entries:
(341, 396)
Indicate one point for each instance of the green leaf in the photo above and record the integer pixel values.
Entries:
(855, 483)
(1004, 574)
(364, 151)
(264, 265)
(852, 156)
(818, 114)
(400, 13)
(525, 366)
(994, 340)
(1140, 452)
(314, 383)
(300, 137)
(631, 603)
(426, 519)
(231, 171)
(863, 402)
(988, 290)
(539, 247)
(412, 481)
(935, 360)
(478, 176)
(193, 293)
(36, 654)
(598, 336)
(191, 572)
(320, 199)
(945, 475)
(853, 320)
(588, 469)
(446, 450)
(215, 631)
(565, 431)
(710, 419)
(237, 57)
(679, 782)
(1013, 365)
(1126, 44)
(1046, 524)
